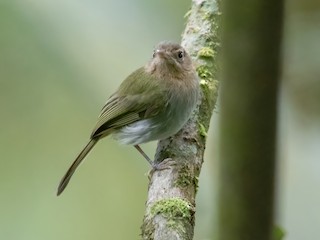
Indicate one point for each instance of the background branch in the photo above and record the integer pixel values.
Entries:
(170, 206)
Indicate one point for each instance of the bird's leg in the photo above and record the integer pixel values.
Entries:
(165, 164)
(144, 155)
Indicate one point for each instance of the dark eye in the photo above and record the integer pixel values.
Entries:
(154, 54)
(180, 54)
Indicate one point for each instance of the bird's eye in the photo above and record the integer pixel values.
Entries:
(153, 54)
(180, 54)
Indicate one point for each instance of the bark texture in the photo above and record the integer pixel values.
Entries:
(170, 206)
(251, 39)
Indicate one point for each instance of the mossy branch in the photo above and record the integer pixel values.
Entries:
(170, 207)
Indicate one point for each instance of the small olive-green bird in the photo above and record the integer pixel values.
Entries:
(152, 103)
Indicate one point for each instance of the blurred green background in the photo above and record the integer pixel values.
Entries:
(60, 60)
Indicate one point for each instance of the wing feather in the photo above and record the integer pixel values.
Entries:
(130, 103)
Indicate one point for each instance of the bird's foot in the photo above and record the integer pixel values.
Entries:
(163, 165)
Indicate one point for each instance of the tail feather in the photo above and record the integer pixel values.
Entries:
(66, 178)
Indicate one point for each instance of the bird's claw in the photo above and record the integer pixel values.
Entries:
(163, 165)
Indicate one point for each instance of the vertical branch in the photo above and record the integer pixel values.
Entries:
(170, 206)
(251, 39)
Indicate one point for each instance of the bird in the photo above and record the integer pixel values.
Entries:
(153, 103)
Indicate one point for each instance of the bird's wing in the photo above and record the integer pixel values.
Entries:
(131, 105)
(123, 111)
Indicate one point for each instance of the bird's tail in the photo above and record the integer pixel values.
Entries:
(66, 178)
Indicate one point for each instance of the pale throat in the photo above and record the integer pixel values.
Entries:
(167, 71)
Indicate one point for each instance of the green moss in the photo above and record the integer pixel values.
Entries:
(208, 84)
(206, 16)
(186, 178)
(187, 14)
(148, 229)
(204, 72)
(278, 233)
(202, 130)
(196, 183)
(193, 30)
(173, 208)
(206, 52)
(203, 82)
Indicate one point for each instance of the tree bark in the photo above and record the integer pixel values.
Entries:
(170, 206)
(251, 39)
